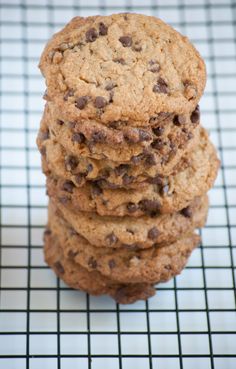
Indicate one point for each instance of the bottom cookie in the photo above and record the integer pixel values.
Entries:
(94, 282)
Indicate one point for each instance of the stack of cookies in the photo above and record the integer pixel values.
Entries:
(127, 163)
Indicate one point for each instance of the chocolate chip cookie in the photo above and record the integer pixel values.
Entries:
(121, 67)
(134, 233)
(167, 195)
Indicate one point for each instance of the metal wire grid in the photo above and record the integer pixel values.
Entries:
(191, 322)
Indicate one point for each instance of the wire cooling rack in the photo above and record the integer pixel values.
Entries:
(191, 322)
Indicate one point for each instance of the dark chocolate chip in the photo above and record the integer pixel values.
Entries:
(158, 131)
(110, 85)
(68, 186)
(59, 267)
(112, 263)
(195, 116)
(150, 206)
(137, 159)
(121, 169)
(161, 86)
(96, 190)
(119, 61)
(126, 41)
(102, 29)
(47, 232)
(71, 254)
(81, 102)
(156, 180)
(89, 168)
(64, 200)
(186, 212)
(99, 136)
(127, 179)
(68, 94)
(78, 137)
(100, 102)
(60, 122)
(144, 135)
(179, 120)
(150, 159)
(111, 239)
(92, 263)
(44, 135)
(155, 66)
(79, 178)
(131, 207)
(71, 162)
(157, 144)
(91, 35)
(153, 233)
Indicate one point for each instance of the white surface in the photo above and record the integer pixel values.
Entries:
(197, 318)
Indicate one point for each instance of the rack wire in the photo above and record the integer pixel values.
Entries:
(191, 322)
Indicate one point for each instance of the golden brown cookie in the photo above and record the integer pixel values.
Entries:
(121, 67)
(134, 233)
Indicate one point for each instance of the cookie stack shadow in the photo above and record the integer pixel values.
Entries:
(126, 194)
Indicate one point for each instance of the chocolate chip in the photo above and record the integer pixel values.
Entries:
(89, 168)
(68, 186)
(79, 178)
(127, 179)
(64, 200)
(155, 66)
(44, 135)
(100, 102)
(91, 35)
(179, 120)
(132, 135)
(59, 267)
(68, 94)
(131, 207)
(99, 136)
(153, 233)
(161, 86)
(71, 254)
(150, 159)
(156, 180)
(195, 116)
(43, 150)
(47, 232)
(112, 263)
(150, 206)
(92, 263)
(137, 159)
(78, 137)
(96, 190)
(102, 29)
(137, 47)
(110, 85)
(111, 239)
(71, 162)
(186, 212)
(121, 169)
(144, 135)
(157, 144)
(119, 60)
(158, 131)
(81, 102)
(126, 41)
(60, 122)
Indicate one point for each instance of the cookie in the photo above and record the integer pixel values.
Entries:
(117, 176)
(134, 233)
(93, 282)
(127, 67)
(168, 195)
(122, 265)
(160, 145)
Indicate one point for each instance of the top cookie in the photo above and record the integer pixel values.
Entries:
(128, 67)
